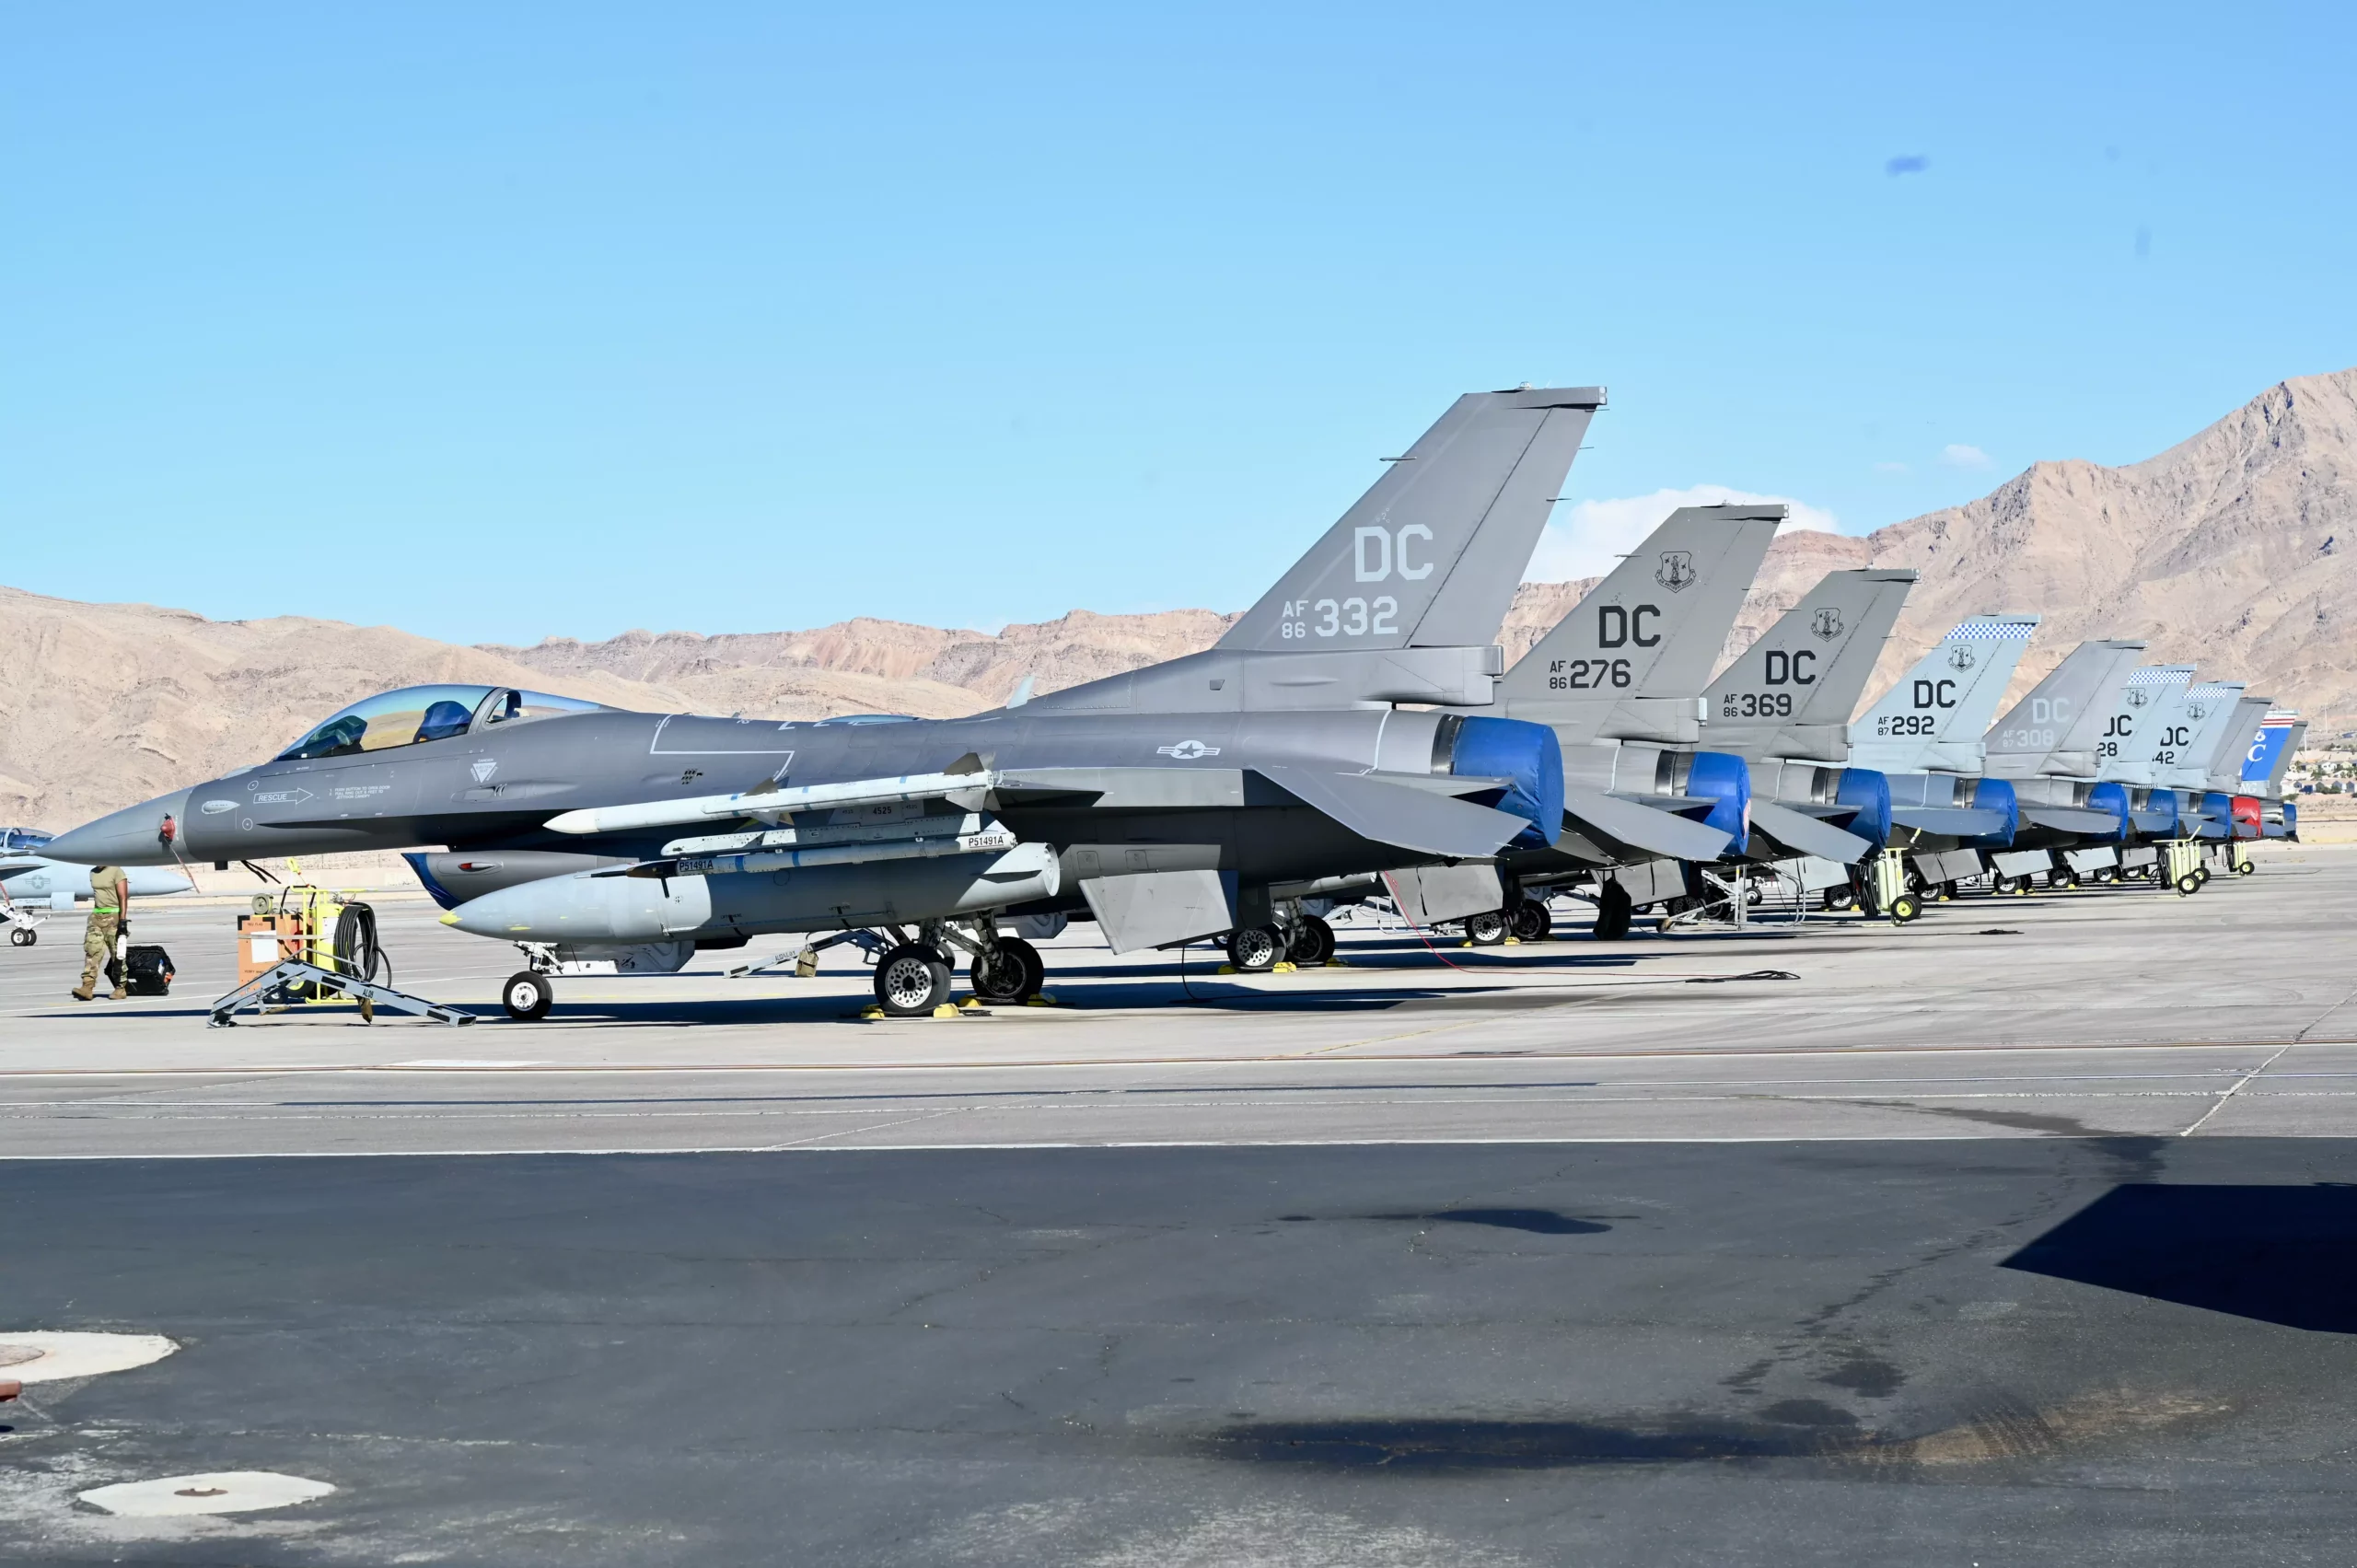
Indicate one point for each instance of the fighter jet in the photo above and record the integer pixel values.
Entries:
(1187, 799)
(1618, 680)
(1785, 705)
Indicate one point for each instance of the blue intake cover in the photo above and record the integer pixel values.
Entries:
(1529, 758)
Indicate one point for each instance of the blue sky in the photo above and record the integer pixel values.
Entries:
(495, 322)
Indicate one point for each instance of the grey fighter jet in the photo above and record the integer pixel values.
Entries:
(1171, 803)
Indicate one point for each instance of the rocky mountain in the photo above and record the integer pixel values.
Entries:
(2236, 548)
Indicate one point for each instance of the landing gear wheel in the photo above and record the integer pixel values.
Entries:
(528, 996)
(1485, 929)
(1531, 921)
(23, 937)
(1948, 893)
(912, 980)
(1011, 973)
(1313, 943)
(1840, 898)
(1613, 908)
(2063, 879)
(1255, 949)
(1904, 907)
(2187, 885)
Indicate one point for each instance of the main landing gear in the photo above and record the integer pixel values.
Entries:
(912, 978)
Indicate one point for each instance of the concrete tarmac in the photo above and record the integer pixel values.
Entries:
(2018, 1234)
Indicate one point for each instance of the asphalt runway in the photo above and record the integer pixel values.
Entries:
(2023, 1233)
(2027, 1350)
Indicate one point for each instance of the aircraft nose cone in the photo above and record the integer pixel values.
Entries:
(132, 836)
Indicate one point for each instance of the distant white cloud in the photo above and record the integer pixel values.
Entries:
(1958, 456)
(1589, 539)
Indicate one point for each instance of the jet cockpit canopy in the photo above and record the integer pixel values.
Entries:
(416, 714)
(22, 841)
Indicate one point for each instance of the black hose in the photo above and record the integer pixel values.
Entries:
(355, 948)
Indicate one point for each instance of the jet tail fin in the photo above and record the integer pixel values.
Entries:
(2140, 714)
(1931, 721)
(1628, 662)
(2235, 742)
(2280, 734)
(1791, 694)
(1431, 555)
(2055, 730)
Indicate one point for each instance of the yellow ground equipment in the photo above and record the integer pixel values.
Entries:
(312, 925)
(1892, 896)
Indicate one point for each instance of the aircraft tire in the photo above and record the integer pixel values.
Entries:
(912, 980)
(1948, 893)
(1313, 943)
(1014, 975)
(528, 996)
(23, 937)
(1530, 920)
(1613, 908)
(1255, 949)
(1485, 929)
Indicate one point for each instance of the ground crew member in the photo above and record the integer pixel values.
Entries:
(109, 902)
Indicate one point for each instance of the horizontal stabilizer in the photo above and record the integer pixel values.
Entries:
(1803, 834)
(2147, 821)
(1950, 821)
(1643, 827)
(1394, 813)
(2072, 820)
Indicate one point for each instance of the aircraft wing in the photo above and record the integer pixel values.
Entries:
(1643, 827)
(1952, 821)
(1805, 835)
(1396, 814)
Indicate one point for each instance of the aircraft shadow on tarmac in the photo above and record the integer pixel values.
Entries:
(2277, 1254)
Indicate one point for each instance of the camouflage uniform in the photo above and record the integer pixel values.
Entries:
(110, 890)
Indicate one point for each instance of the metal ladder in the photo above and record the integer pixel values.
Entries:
(295, 972)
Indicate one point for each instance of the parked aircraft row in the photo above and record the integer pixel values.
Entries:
(1355, 733)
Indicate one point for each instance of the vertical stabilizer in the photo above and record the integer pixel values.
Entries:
(1790, 695)
(2054, 732)
(1931, 721)
(1628, 662)
(2189, 735)
(2279, 737)
(2233, 744)
(2144, 708)
(1430, 556)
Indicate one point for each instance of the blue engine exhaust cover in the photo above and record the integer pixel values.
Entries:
(1526, 755)
(1996, 794)
(1869, 791)
(2112, 796)
(1725, 778)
